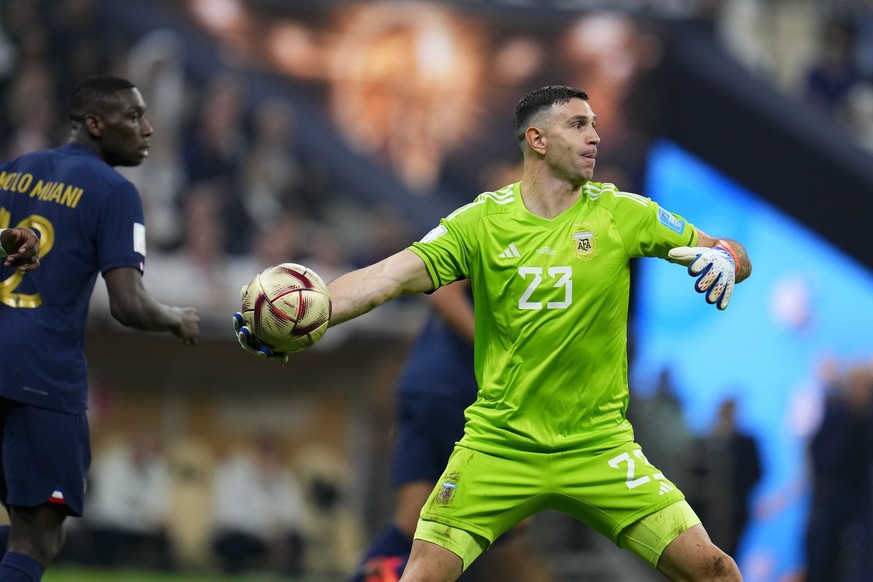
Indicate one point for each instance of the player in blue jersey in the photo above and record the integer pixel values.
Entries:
(548, 260)
(436, 385)
(90, 221)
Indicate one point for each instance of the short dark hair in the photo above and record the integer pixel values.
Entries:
(540, 99)
(95, 93)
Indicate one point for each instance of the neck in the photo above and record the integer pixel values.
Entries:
(77, 139)
(548, 198)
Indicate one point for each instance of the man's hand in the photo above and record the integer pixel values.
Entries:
(20, 246)
(715, 269)
(252, 345)
(189, 325)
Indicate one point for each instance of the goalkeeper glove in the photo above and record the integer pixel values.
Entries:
(253, 345)
(715, 269)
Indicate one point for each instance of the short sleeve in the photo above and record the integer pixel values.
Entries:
(121, 241)
(445, 252)
(649, 230)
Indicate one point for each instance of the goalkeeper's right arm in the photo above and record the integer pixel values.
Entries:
(360, 291)
(354, 294)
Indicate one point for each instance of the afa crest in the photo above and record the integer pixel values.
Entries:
(584, 242)
(447, 491)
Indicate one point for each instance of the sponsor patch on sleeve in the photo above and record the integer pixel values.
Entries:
(139, 239)
(670, 221)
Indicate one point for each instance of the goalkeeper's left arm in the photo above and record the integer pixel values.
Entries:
(717, 263)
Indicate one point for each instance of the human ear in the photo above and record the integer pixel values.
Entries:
(94, 124)
(536, 139)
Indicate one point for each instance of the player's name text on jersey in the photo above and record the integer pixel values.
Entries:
(48, 191)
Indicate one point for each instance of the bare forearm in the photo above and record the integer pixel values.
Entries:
(358, 292)
(132, 306)
(146, 314)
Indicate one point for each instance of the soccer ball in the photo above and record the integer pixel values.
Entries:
(286, 307)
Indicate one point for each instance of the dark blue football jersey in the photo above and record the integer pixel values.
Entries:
(90, 221)
(440, 364)
(436, 385)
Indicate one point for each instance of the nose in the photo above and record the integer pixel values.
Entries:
(594, 139)
(146, 127)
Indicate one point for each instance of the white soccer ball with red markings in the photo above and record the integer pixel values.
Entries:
(286, 307)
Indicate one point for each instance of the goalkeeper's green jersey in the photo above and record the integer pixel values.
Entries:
(551, 306)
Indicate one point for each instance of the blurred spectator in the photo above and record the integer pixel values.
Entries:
(31, 93)
(292, 236)
(404, 83)
(258, 512)
(214, 148)
(215, 142)
(8, 53)
(335, 535)
(834, 74)
(196, 272)
(81, 42)
(31, 107)
(839, 533)
(386, 231)
(280, 241)
(129, 505)
(327, 253)
(273, 172)
(660, 427)
(771, 38)
(726, 467)
(156, 64)
(191, 463)
(863, 16)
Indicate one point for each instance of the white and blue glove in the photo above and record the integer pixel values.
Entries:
(253, 345)
(715, 269)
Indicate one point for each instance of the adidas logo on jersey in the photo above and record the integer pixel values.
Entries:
(663, 486)
(510, 252)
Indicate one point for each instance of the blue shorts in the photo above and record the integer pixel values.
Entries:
(427, 432)
(45, 456)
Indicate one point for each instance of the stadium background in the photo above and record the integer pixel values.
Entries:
(344, 130)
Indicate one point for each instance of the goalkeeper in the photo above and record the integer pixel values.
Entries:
(548, 262)
(435, 387)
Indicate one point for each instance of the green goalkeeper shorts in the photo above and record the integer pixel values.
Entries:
(483, 494)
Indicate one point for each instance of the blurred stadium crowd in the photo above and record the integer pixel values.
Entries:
(233, 184)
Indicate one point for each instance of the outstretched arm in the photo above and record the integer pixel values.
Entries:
(132, 306)
(360, 291)
(354, 294)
